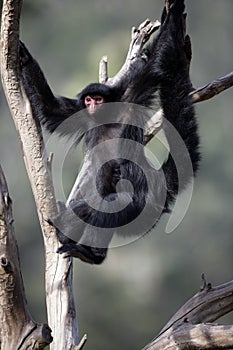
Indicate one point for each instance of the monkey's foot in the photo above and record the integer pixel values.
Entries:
(85, 253)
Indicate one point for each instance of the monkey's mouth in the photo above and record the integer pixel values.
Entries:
(93, 109)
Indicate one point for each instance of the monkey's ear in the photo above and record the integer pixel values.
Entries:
(80, 101)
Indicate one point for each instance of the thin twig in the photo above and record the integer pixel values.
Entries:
(103, 70)
(80, 346)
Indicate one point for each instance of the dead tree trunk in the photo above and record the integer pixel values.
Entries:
(17, 329)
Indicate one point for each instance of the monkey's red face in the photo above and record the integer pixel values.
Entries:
(92, 102)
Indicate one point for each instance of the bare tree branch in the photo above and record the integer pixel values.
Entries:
(187, 329)
(103, 70)
(17, 329)
(136, 58)
(195, 337)
(213, 88)
(61, 315)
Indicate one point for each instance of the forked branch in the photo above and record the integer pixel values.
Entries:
(135, 59)
(190, 329)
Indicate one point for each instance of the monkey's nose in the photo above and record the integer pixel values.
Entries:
(92, 108)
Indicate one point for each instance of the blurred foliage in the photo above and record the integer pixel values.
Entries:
(125, 302)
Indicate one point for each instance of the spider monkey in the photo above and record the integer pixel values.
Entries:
(165, 76)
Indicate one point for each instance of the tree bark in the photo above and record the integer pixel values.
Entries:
(17, 329)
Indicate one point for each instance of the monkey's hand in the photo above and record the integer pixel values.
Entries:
(177, 7)
(60, 236)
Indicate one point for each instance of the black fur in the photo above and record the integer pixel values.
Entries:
(165, 73)
(109, 94)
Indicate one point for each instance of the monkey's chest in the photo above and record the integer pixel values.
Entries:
(98, 176)
(107, 177)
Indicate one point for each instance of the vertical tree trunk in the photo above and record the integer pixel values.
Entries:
(58, 271)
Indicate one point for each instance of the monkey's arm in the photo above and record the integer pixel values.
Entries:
(50, 110)
(177, 104)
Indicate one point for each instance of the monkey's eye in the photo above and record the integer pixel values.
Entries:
(99, 99)
(87, 99)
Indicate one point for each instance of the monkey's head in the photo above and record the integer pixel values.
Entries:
(94, 95)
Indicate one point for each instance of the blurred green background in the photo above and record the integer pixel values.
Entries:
(125, 302)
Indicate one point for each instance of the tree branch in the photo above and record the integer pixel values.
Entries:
(17, 329)
(195, 337)
(212, 89)
(135, 59)
(187, 329)
(58, 274)
(103, 70)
